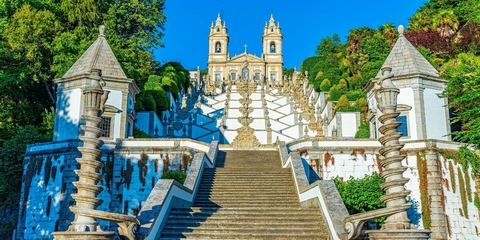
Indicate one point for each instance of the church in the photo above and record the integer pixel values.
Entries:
(246, 110)
(268, 67)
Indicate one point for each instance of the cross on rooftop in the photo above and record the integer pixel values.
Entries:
(245, 45)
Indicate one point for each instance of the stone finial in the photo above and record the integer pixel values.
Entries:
(401, 30)
(101, 29)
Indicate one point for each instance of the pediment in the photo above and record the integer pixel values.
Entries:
(249, 57)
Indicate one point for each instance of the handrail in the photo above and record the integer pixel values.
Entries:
(168, 193)
(323, 193)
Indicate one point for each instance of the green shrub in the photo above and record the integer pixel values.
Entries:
(325, 85)
(335, 93)
(355, 94)
(363, 131)
(361, 195)
(137, 133)
(177, 175)
(160, 99)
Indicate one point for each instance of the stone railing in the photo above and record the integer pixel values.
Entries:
(320, 194)
(169, 193)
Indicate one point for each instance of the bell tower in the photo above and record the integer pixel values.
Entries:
(272, 50)
(217, 48)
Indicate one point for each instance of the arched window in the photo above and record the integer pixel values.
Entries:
(272, 47)
(218, 47)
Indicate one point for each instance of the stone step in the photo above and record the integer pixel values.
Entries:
(235, 172)
(297, 211)
(211, 204)
(270, 201)
(179, 224)
(245, 235)
(247, 171)
(251, 183)
(246, 181)
(246, 195)
(236, 231)
(235, 221)
(245, 188)
(216, 195)
(240, 192)
(237, 176)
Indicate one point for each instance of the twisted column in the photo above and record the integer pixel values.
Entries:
(397, 225)
(90, 164)
(395, 193)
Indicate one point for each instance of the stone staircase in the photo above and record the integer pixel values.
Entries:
(247, 196)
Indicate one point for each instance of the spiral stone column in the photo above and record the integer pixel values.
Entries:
(89, 166)
(396, 226)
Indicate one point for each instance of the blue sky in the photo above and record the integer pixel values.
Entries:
(304, 23)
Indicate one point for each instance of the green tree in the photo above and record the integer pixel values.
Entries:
(11, 167)
(463, 92)
(376, 47)
(329, 45)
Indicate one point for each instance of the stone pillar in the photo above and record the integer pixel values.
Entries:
(397, 225)
(419, 112)
(85, 226)
(435, 196)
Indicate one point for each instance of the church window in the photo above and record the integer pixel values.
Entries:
(403, 128)
(218, 29)
(257, 76)
(272, 47)
(233, 76)
(271, 29)
(106, 127)
(218, 47)
(273, 77)
(217, 77)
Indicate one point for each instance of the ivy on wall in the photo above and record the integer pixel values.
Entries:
(463, 194)
(452, 176)
(467, 185)
(422, 176)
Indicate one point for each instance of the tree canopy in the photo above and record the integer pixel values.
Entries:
(40, 41)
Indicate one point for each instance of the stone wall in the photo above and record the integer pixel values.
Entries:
(451, 205)
(46, 188)
(129, 175)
